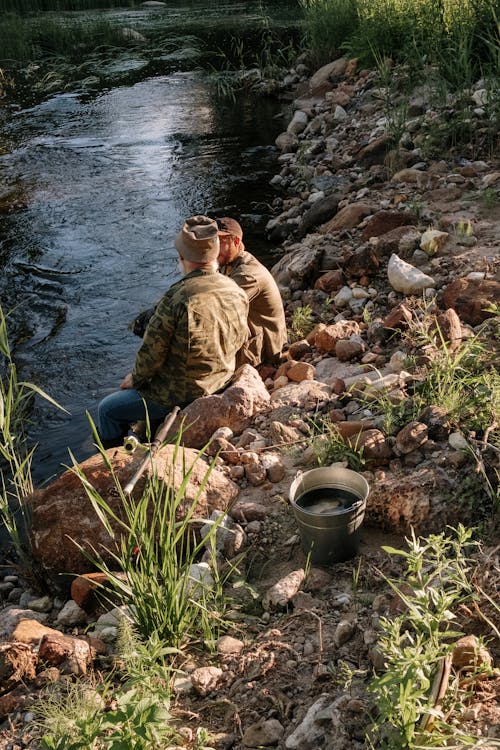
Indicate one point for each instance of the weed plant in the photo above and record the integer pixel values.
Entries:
(16, 402)
(416, 642)
(328, 27)
(302, 322)
(330, 447)
(155, 545)
(465, 381)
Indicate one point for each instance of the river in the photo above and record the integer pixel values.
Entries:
(107, 181)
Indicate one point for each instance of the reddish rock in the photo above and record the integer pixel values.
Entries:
(436, 419)
(411, 437)
(91, 590)
(330, 282)
(63, 513)
(470, 297)
(351, 348)
(326, 74)
(284, 367)
(399, 317)
(234, 408)
(374, 445)
(327, 338)
(374, 152)
(336, 415)
(362, 262)
(470, 653)
(299, 349)
(244, 511)
(72, 655)
(450, 327)
(255, 473)
(301, 371)
(348, 430)
(11, 702)
(283, 433)
(384, 221)
(348, 217)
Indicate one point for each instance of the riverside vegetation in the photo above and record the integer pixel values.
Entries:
(376, 656)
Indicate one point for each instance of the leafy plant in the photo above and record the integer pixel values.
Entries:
(155, 545)
(414, 643)
(133, 714)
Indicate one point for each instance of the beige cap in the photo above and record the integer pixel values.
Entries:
(198, 240)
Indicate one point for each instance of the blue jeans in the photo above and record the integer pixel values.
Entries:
(116, 412)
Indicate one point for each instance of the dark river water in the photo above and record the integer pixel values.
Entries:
(106, 183)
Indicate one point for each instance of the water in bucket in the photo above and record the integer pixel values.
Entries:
(324, 500)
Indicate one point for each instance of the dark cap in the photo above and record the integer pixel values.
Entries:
(198, 240)
(229, 226)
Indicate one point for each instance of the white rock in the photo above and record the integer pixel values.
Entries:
(406, 278)
(398, 361)
(343, 297)
(308, 730)
(339, 114)
(223, 432)
(200, 579)
(480, 97)
(314, 197)
(433, 240)
(458, 442)
(298, 122)
(282, 591)
(71, 614)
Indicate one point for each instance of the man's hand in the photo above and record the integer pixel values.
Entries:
(127, 382)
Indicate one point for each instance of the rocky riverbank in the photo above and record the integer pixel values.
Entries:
(389, 273)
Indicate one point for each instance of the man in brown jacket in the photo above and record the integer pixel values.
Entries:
(266, 317)
(190, 343)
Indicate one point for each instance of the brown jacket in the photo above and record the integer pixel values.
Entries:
(266, 317)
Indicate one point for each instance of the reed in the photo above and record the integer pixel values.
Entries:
(461, 37)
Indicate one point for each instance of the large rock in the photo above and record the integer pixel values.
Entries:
(63, 516)
(424, 499)
(234, 408)
(321, 211)
(319, 83)
(300, 266)
(348, 217)
(470, 297)
(385, 221)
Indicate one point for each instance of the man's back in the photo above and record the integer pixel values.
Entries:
(266, 317)
(191, 341)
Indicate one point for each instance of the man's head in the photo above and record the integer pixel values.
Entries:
(230, 238)
(198, 241)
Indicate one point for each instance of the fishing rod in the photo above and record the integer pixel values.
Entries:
(160, 436)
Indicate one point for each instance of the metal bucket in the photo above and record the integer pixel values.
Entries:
(329, 528)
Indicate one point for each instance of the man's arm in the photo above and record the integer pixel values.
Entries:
(156, 343)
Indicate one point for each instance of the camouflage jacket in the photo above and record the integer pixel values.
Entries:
(266, 317)
(190, 344)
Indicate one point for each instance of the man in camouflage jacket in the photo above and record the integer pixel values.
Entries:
(191, 341)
